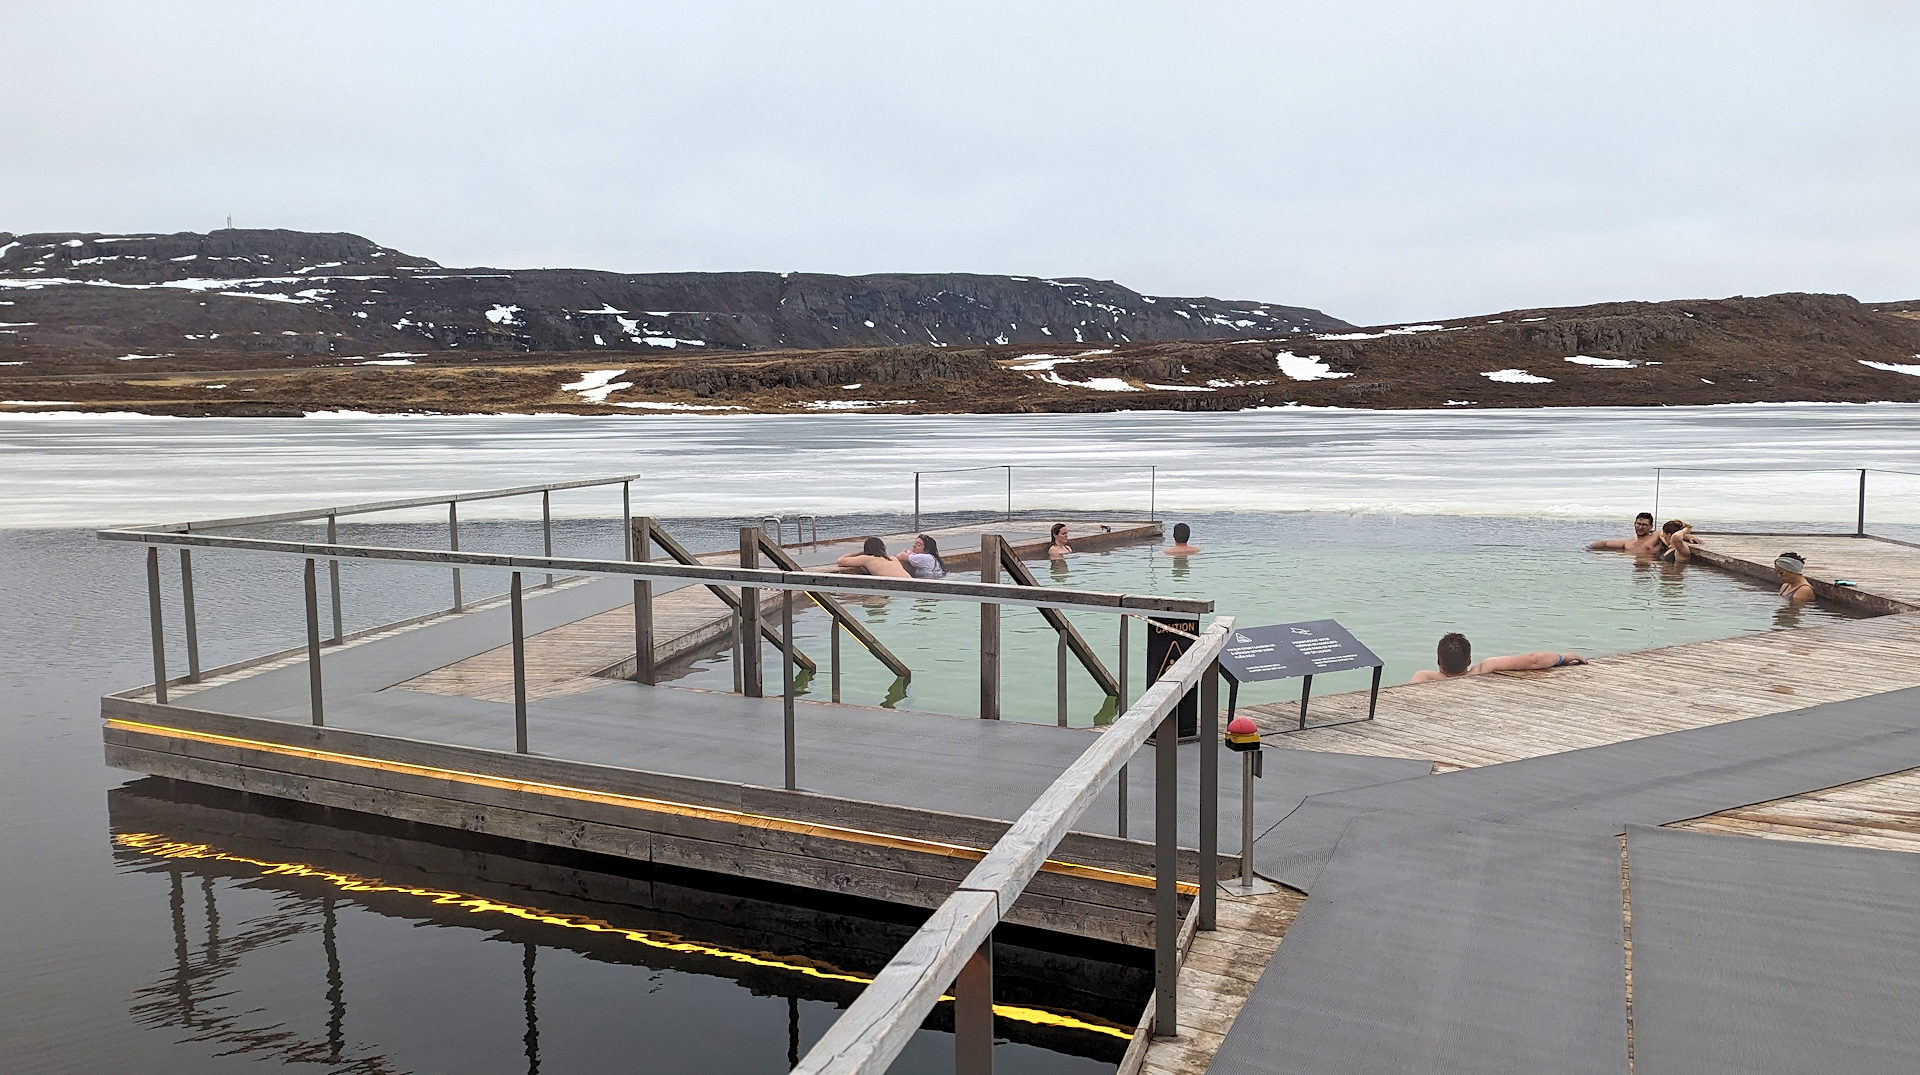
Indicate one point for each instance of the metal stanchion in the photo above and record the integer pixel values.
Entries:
(640, 548)
(519, 668)
(186, 608)
(333, 578)
(833, 659)
(1060, 680)
(786, 674)
(989, 631)
(1209, 796)
(1120, 706)
(313, 646)
(1166, 840)
(156, 625)
(546, 526)
(453, 544)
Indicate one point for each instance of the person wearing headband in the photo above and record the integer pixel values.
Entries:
(1791, 568)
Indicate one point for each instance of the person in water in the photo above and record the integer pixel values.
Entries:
(1180, 546)
(1677, 543)
(1057, 546)
(1644, 542)
(922, 559)
(872, 559)
(1456, 660)
(1791, 569)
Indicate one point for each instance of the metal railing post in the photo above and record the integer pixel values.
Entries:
(916, 501)
(546, 526)
(519, 668)
(1009, 494)
(750, 678)
(1209, 796)
(786, 674)
(333, 578)
(626, 516)
(1060, 681)
(1246, 822)
(833, 660)
(989, 631)
(640, 548)
(186, 608)
(1656, 492)
(1860, 526)
(973, 1013)
(156, 625)
(1120, 706)
(1166, 840)
(313, 646)
(453, 544)
(739, 681)
(1153, 493)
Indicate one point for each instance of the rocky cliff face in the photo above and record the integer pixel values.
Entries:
(303, 293)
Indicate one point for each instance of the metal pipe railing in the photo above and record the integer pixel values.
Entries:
(1152, 469)
(874, 1029)
(1860, 496)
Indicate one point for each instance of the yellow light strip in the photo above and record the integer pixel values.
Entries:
(160, 846)
(662, 806)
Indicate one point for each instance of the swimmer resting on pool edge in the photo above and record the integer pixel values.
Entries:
(1456, 660)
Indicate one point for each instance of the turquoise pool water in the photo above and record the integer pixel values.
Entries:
(1397, 582)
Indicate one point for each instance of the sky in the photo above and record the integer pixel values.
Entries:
(1383, 162)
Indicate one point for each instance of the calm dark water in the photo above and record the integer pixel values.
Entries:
(154, 930)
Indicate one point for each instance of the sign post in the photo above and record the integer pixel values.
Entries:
(1296, 650)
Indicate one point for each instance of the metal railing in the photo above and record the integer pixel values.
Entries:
(954, 948)
(955, 944)
(749, 580)
(1153, 480)
(1860, 499)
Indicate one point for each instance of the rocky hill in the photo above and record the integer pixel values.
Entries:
(301, 293)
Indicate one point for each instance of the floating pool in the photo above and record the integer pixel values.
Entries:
(1397, 582)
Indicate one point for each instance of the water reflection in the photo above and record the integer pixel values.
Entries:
(297, 872)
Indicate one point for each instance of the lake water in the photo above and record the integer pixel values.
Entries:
(155, 932)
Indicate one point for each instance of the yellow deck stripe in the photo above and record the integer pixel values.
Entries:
(637, 802)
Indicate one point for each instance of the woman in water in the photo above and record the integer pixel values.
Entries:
(1677, 543)
(1791, 569)
(1057, 547)
(922, 559)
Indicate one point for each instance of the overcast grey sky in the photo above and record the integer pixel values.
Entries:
(1380, 161)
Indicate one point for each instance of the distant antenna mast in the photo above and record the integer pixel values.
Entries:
(229, 221)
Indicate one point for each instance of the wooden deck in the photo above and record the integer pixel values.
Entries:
(1216, 975)
(1486, 720)
(575, 657)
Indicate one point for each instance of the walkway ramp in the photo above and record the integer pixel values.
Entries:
(1463, 946)
(1758, 955)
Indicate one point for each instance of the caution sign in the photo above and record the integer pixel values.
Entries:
(1167, 642)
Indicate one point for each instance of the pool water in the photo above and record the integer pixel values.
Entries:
(1397, 582)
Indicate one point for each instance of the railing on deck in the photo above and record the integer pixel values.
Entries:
(1860, 499)
(955, 944)
(1153, 481)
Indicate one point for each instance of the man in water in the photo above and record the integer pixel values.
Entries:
(1644, 542)
(1180, 547)
(872, 559)
(1456, 660)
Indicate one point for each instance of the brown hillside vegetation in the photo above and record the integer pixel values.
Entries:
(1778, 348)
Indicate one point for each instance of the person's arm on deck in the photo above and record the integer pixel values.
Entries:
(1527, 662)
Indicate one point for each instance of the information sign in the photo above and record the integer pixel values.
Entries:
(1295, 650)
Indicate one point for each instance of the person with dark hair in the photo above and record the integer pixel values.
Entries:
(1791, 569)
(1180, 546)
(1677, 543)
(872, 559)
(1057, 546)
(1644, 542)
(922, 559)
(1456, 659)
